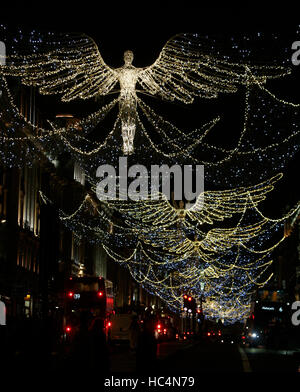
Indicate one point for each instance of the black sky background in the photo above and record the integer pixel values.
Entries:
(144, 28)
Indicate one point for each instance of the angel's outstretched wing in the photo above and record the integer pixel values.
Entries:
(217, 205)
(215, 240)
(150, 211)
(67, 64)
(184, 69)
(219, 239)
(210, 206)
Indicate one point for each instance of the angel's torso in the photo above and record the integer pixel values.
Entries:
(128, 76)
(181, 212)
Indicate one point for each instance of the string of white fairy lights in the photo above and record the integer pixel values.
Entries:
(227, 286)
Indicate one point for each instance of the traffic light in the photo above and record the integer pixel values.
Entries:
(185, 302)
(189, 303)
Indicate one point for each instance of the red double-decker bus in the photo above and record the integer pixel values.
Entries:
(92, 296)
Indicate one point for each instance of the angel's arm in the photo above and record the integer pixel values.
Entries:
(68, 64)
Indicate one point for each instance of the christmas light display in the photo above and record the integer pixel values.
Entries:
(74, 68)
(167, 263)
(210, 206)
(168, 250)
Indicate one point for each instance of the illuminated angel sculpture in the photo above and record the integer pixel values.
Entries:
(72, 66)
(210, 206)
(205, 244)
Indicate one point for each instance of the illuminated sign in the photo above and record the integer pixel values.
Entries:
(267, 308)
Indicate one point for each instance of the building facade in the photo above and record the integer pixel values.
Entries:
(37, 252)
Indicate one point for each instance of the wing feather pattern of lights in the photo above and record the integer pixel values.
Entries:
(71, 65)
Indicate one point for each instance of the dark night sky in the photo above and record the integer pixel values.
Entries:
(147, 25)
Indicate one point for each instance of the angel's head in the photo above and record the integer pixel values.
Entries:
(128, 57)
(181, 204)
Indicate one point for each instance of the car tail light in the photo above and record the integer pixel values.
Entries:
(100, 294)
(109, 324)
(70, 294)
(68, 329)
